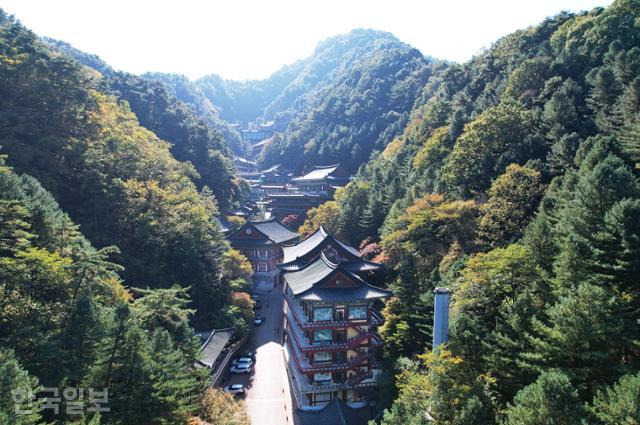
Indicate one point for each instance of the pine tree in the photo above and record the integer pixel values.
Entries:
(619, 404)
(130, 383)
(79, 340)
(14, 227)
(18, 391)
(583, 335)
(176, 385)
(504, 346)
(563, 151)
(551, 400)
(597, 191)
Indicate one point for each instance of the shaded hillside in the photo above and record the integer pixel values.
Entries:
(187, 92)
(185, 121)
(115, 178)
(245, 101)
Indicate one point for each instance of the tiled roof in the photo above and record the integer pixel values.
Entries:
(335, 412)
(304, 279)
(302, 282)
(318, 173)
(291, 253)
(274, 230)
(365, 292)
(271, 169)
(213, 346)
(360, 265)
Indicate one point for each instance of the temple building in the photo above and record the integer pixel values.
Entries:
(307, 191)
(323, 179)
(330, 314)
(292, 202)
(262, 243)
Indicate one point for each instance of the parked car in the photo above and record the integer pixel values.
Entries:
(258, 320)
(235, 389)
(241, 368)
(242, 360)
(255, 297)
(257, 305)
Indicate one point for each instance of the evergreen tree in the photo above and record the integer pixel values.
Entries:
(551, 400)
(14, 228)
(177, 386)
(128, 375)
(18, 391)
(619, 404)
(583, 336)
(79, 340)
(168, 309)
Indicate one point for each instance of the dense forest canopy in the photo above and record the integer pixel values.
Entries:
(515, 184)
(92, 206)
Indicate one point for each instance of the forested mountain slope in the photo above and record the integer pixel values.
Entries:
(349, 98)
(114, 177)
(191, 95)
(191, 125)
(370, 85)
(245, 101)
(75, 161)
(515, 184)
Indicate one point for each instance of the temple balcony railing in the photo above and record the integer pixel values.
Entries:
(301, 318)
(304, 345)
(302, 385)
(304, 366)
(260, 258)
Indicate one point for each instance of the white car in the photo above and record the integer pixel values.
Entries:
(241, 368)
(235, 389)
(258, 320)
(241, 360)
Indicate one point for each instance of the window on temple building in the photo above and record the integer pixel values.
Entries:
(262, 267)
(322, 314)
(357, 313)
(322, 335)
(322, 356)
(321, 377)
(321, 398)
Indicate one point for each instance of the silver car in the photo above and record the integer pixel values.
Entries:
(235, 389)
(241, 368)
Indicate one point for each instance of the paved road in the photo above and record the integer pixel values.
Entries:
(268, 397)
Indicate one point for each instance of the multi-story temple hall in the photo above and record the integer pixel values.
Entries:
(330, 322)
(262, 242)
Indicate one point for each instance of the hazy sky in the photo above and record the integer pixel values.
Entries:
(252, 38)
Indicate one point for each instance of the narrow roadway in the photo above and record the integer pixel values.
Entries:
(268, 397)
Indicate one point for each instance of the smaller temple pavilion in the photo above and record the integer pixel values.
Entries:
(330, 322)
(262, 242)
